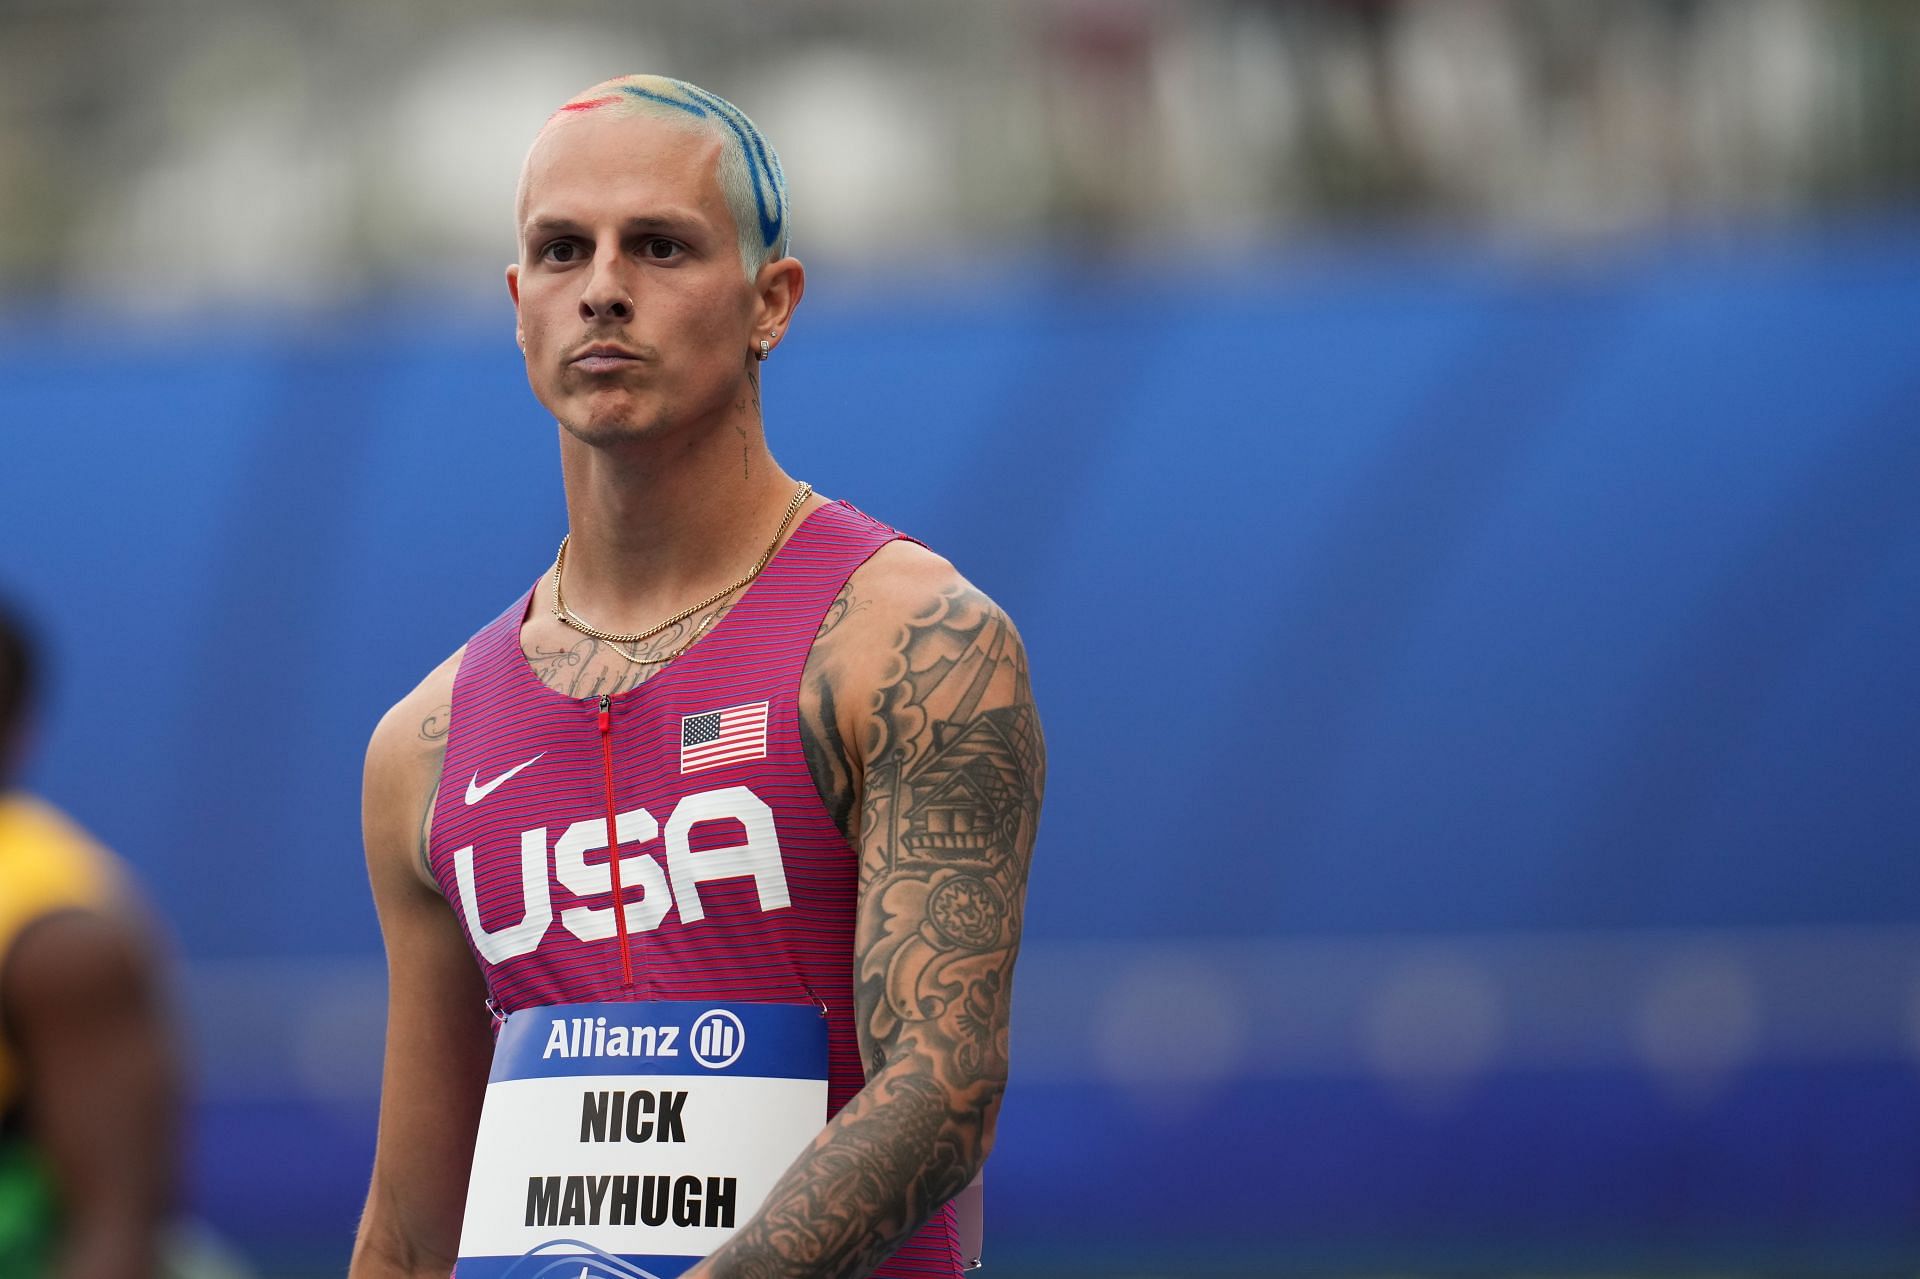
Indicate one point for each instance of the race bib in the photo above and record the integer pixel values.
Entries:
(629, 1140)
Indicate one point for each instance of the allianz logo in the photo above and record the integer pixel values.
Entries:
(571, 1037)
(716, 1039)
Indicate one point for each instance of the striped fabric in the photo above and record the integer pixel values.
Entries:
(704, 935)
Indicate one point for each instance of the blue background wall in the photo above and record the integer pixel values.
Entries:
(1481, 696)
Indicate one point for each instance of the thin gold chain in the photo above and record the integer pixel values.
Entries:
(686, 644)
(566, 615)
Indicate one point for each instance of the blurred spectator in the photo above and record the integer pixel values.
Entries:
(88, 1105)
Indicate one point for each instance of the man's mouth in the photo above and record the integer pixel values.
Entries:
(605, 357)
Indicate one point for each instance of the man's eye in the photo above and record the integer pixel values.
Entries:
(562, 251)
(660, 250)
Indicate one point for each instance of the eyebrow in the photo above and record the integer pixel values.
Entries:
(677, 220)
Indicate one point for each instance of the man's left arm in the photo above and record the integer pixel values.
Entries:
(952, 767)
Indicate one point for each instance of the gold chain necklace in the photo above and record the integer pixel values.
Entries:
(566, 615)
(698, 631)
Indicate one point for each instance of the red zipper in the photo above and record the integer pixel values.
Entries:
(613, 844)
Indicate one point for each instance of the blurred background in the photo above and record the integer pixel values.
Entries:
(1454, 463)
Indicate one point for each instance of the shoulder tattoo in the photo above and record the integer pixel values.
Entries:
(433, 735)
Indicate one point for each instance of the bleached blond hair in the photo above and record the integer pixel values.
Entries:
(750, 176)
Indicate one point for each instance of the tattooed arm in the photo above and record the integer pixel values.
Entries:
(438, 1039)
(927, 681)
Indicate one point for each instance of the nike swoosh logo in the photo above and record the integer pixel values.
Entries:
(476, 792)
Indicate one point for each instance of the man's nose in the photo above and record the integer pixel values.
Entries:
(606, 298)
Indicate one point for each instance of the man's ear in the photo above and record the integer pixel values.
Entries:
(513, 291)
(780, 285)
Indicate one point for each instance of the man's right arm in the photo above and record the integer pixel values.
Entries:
(439, 1041)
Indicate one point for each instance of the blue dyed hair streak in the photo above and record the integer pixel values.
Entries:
(750, 175)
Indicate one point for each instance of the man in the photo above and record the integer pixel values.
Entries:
(813, 743)
(87, 1075)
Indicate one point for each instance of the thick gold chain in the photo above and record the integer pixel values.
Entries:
(566, 615)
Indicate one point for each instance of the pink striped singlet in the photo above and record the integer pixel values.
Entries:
(738, 885)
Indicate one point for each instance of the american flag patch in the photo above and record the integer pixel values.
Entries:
(723, 737)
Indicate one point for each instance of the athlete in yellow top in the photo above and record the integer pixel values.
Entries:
(87, 1077)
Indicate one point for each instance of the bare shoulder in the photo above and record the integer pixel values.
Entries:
(413, 732)
(404, 759)
(908, 656)
(928, 646)
(904, 568)
(929, 660)
(905, 589)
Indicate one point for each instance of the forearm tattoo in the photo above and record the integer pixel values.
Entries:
(954, 771)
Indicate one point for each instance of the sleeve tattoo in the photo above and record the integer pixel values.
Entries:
(954, 771)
